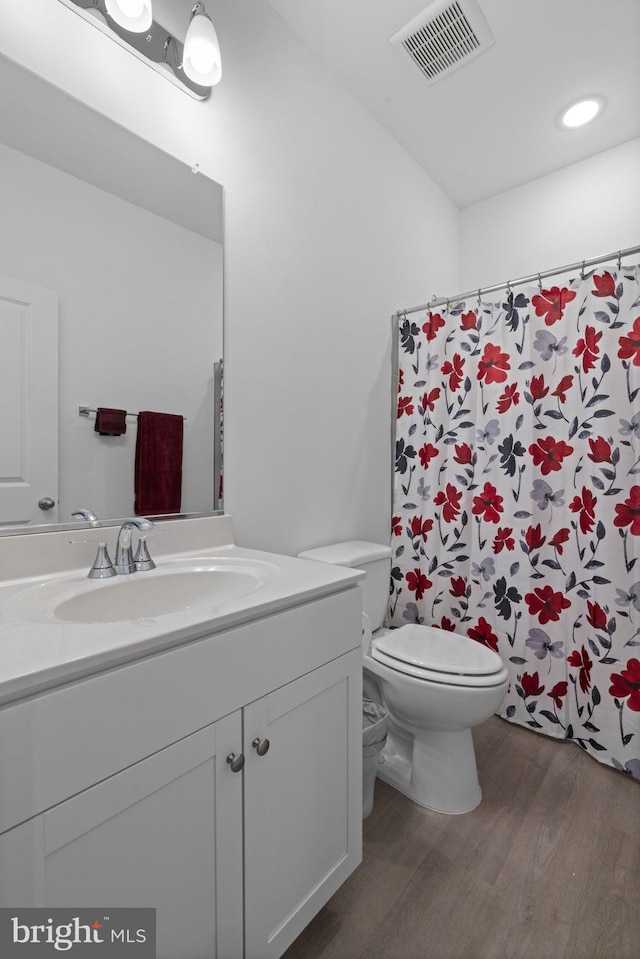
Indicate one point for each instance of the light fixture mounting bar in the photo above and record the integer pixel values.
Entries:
(156, 46)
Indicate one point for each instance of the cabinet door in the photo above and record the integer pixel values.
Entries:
(165, 833)
(303, 801)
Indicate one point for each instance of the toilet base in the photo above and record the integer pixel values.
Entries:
(436, 769)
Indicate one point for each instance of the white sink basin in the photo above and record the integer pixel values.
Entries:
(175, 588)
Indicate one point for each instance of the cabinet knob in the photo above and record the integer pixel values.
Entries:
(236, 761)
(261, 746)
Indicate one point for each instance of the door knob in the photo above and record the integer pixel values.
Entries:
(236, 761)
(46, 503)
(261, 746)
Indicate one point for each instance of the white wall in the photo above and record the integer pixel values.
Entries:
(330, 227)
(120, 339)
(586, 210)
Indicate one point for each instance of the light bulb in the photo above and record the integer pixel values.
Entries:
(133, 15)
(201, 57)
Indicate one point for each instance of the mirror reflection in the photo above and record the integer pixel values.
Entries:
(110, 297)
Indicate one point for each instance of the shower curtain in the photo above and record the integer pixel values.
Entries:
(516, 516)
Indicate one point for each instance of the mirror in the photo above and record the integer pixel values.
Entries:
(130, 241)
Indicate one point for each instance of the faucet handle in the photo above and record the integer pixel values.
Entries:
(142, 559)
(102, 567)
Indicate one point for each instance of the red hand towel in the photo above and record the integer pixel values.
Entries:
(110, 422)
(158, 470)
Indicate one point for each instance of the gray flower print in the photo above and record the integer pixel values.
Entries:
(486, 569)
(627, 428)
(548, 345)
(490, 433)
(543, 495)
(541, 644)
(633, 596)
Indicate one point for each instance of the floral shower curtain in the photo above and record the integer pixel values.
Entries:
(517, 497)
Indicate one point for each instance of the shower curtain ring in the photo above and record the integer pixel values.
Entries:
(539, 282)
(479, 300)
(582, 270)
(619, 260)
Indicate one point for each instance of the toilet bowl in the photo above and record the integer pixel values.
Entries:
(436, 685)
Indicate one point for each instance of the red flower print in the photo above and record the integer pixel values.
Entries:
(584, 664)
(630, 345)
(458, 586)
(494, 365)
(627, 683)
(400, 379)
(538, 388)
(562, 388)
(600, 450)
(605, 285)
(489, 503)
(503, 539)
(545, 604)
(427, 453)
(404, 406)
(420, 528)
(433, 324)
(453, 369)
(464, 454)
(629, 512)
(561, 537)
(557, 693)
(585, 505)
(509, 398)
(450, 501)
(429, 399)
(445, 623)
(396, 525)
(534, 538)
(548, 454)
(551, 303)
(531, 685)
(588, 348)
(596, 616)
(482, 633)
(417, 582)
(468, 321)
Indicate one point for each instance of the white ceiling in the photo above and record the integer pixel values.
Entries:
(492, 124)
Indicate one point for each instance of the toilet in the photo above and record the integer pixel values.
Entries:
(436, 686)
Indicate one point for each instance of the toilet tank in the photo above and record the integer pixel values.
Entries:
(374, 559)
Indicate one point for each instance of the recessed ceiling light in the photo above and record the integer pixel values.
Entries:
(584, 111)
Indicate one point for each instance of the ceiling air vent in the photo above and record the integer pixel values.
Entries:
(444, 37)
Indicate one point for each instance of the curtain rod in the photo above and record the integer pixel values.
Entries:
(581, 264)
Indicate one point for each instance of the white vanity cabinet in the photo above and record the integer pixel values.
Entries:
(116, 790)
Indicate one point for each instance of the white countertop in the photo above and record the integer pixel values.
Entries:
(37, 653)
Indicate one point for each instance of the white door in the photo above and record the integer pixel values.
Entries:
(29, 403)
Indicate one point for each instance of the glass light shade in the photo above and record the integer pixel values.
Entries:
(582, 112)
(201, 59)
(133, 15)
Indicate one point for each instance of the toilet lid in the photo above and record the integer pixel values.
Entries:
(438, 650)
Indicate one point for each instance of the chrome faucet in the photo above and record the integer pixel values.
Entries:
(86, 514)
(125, 562)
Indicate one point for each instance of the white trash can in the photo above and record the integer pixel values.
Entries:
(375, 725)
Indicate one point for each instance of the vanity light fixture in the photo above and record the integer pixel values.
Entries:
(582, 112)
(201, 58)
(133, 15)
(194, 66)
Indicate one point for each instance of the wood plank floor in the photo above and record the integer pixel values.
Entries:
(547, 867)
